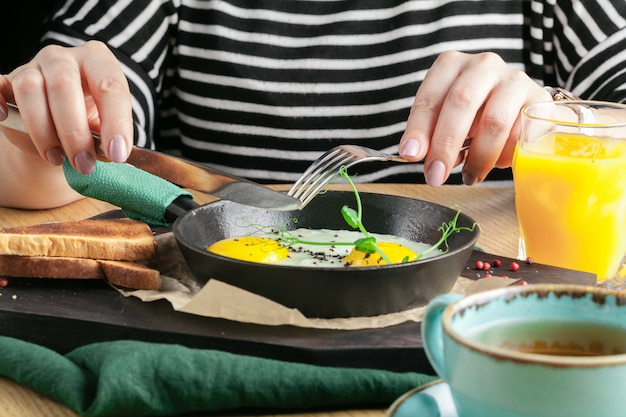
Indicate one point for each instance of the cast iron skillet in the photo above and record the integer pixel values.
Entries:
(316, 292)
(331, 292)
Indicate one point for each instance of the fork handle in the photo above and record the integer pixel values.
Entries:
(397, 158)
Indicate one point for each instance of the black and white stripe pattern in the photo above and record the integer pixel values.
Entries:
(261, 88)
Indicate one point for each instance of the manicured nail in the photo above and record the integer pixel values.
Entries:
(468, 179)
(55, 156)
(84, 163)
(410, 148)
(435, 173)
(118, 151)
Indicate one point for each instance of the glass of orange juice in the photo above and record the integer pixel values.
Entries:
(569, 173)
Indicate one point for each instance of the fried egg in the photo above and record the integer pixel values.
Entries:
(337, 251)
(395, 252)
(259, 249)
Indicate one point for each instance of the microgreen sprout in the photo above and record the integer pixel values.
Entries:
(448, 229)
(367, 243)
(354, 218)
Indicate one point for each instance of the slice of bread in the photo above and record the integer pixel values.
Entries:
(48, 267)
(131, 275)
(126, 274)
(115, 239)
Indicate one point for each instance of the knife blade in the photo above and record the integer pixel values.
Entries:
(188, 174)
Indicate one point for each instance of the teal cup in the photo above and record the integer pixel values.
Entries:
(537, 350)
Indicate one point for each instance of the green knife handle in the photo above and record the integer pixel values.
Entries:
(139, 194)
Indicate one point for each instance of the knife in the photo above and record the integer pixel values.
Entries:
(188, 174)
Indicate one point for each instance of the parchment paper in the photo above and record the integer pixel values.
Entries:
(221, 300)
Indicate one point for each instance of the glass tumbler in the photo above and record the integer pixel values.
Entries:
(569, 173)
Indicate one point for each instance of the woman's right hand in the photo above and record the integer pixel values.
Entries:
(63, 94)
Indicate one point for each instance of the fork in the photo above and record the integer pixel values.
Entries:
(327, 167)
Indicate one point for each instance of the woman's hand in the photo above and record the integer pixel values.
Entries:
(65, 93)
(467, 95)
(62, 94)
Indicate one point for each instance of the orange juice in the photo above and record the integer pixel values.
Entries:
(570, 196)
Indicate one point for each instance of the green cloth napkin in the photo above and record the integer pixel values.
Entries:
(124, 378)
(141, 195)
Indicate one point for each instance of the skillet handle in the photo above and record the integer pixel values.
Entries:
(139, 194)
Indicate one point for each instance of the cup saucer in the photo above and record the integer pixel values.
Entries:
(430, 400)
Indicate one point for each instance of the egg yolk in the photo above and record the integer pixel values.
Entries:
(394, 251)
(250, 248)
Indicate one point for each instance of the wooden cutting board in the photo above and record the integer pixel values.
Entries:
(65, 314)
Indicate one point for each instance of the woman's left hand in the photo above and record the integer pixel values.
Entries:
(467, 95)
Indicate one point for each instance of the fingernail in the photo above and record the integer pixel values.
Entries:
(3, 113)
(118, 151)
(84, 163)
(55, 156)
(435, 173)
(410, 148)
(468, 179)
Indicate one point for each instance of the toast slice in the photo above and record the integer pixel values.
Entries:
(49, 267)
(126, 274)
(131, 275)
(114, 239)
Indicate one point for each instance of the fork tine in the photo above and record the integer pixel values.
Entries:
(314, 185)
(307, 175)
(320, 181)
(318, 171)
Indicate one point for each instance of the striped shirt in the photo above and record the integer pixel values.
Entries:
(261, 88)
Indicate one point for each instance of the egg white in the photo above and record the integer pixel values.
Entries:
(330, 256)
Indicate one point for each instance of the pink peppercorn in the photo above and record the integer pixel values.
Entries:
(529, 260)
(3, 282)
(514, 266)
(497, 263)
(478, 264)
(486, 266)
(522, 282)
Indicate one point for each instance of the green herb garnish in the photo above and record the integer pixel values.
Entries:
(447, 229)
(367, 243)
(354, 218)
